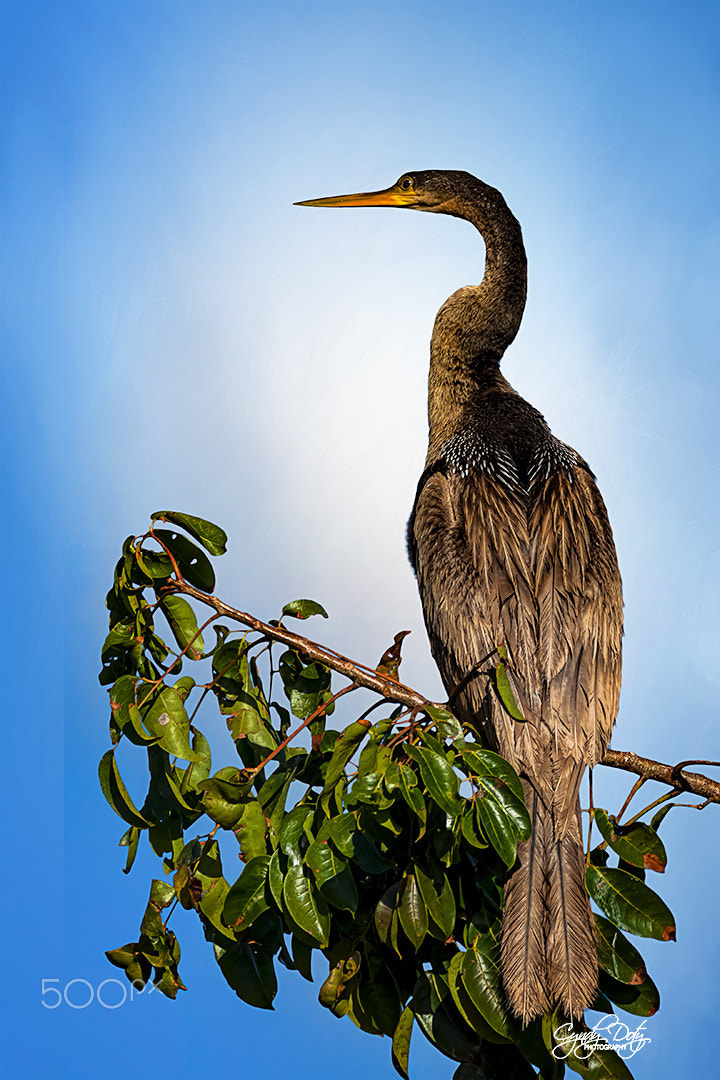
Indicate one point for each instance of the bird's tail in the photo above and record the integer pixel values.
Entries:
(548, 952)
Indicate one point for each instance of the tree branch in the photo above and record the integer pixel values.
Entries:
(675, 776)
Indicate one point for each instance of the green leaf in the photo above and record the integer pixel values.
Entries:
(497, 826)
(302, 957)
(660, 815)
(629, 903)
(251, 830)
(246, 898)
(295, 825)
(155, 564)
(116, 793)
(276, 876)
(485, 762)
(341, 831)
(439, 779)
(223, 800)
(193, 563)
(130, 839)
(183, 623)
(448, 725)
(401, 1042)
(641, 1000)
(249, 971)
(636, 844)
(456, 1041)
(125, 712)
(500, 804)
(481, 978)
(412, 912)
(463, 1003)
(212, 537)
(332, 875)
(303, 609)
(616, 955)
(306, 905)
(471, 827)
(367, 856)
(200, 768)
(385, 909)
(165, 717)
(503, 687)
(306, 686)
(344, 966)
(214, 886)
(438, 899)
(344, 749)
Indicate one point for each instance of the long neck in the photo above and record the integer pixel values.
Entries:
(476, 324)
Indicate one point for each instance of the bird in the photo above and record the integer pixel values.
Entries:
(514, 556)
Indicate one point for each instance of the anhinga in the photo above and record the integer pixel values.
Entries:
(511, 545)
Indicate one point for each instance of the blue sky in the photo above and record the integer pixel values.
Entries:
(177, 333)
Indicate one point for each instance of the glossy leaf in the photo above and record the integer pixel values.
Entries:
(616, 955)
(211, 536)
(251, 830)
(629, 903)
(303, 609)
(503, 687)
(249, 971)
(183, 623)
(439, 778)
(193, 563)
(636, 844)
(438, 898)
(130, 839)
(164, 716)
(344, 749)
(448, 725)
(116, 793)
(247, 899)
(332, 875)
(401, 1042)
(412, 912)
(385, 909)
(456, 1041)
(463, 1003)
(306, 905)
(481, 978)
(640, 1000)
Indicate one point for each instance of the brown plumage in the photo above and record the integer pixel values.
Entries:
(511, 544)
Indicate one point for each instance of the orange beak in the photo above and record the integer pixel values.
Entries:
(392, 196)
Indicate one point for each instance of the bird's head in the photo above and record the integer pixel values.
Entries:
(435, 190)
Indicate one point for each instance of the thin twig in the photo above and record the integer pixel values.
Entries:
(633, 791)
(313, 716)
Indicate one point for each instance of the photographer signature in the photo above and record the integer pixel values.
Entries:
(610, 1033)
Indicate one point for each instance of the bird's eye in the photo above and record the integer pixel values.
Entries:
(406, 183)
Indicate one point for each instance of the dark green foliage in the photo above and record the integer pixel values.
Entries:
(383, 846)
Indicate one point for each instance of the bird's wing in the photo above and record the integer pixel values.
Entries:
(576, 584)
(471, 550)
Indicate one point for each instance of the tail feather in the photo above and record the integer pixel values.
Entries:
(571, 948)
(548, 954)
(525, 920)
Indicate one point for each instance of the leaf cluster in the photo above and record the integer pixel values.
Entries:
(382, 845)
